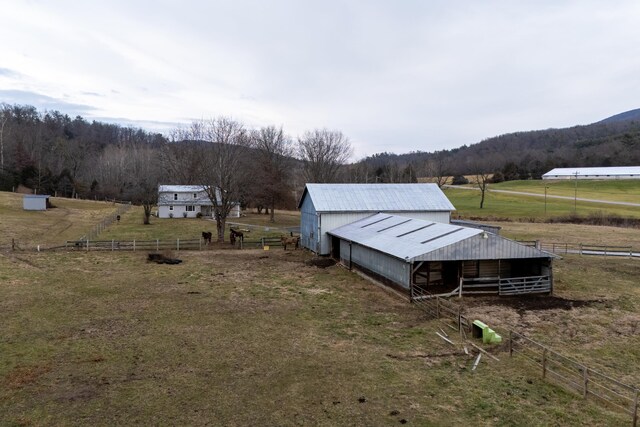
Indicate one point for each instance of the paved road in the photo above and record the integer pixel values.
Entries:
(522, 193)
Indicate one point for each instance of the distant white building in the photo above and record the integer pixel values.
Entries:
(186, 201)
(616, 172)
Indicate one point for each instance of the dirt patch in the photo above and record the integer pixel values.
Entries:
(24, 375)
(529, 302)
(321, 262)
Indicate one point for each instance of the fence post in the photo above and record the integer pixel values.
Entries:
(459, 320)
(262, 241)
(580, 248)
(437, 307)
(177, 244)
(200, 244)
(112, 245)
(134, 245)
(585, 379)
(157, 245)
(510, 343)
(87, 244)
(635, 410)
(544, 363)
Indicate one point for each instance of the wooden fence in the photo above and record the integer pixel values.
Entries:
(583, 248)
(135, 245)
(554, 367)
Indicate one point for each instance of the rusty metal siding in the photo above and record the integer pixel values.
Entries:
(391, 268)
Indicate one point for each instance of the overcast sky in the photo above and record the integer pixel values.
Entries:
(393, 76)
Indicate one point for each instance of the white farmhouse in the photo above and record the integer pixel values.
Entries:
(186, 201)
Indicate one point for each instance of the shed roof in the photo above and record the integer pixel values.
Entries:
(376, 197)
(36, 196)
(602, 171)
(418, 240)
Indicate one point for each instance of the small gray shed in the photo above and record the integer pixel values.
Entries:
(324, 207)
(35, 202)
(419, 257)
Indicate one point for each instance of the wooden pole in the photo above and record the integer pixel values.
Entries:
(134, 245)
(510, 343)
(585, 381)
(635, 410)
(157, 245)
(437, 307)
(544, 363)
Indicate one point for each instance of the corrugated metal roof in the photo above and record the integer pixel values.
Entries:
(417, 240)
(603, 171)
(180, 188)
(377, 197)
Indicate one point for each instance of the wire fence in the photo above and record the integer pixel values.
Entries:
(106, 222)
(554, 367)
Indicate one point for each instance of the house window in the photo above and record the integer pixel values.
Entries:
(175, 196)
(170, 207)
(195, 195)
(190, 208)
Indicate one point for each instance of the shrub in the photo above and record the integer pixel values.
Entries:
(459, 180)
(199, 215)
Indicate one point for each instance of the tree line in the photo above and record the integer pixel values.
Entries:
(51, 153)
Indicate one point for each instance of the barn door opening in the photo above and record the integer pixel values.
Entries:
(335, 248)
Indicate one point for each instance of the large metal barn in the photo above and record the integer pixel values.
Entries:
(324, 207)
(419, 258)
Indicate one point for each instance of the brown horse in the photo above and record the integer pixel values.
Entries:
(295, 241)
(235, 234)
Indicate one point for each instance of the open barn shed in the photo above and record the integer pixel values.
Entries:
(35, 202)
(324, 207)
(418, 257)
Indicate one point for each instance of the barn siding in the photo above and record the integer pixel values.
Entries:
(308, 225)
(391, 268)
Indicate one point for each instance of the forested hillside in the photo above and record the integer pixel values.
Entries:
(521, 155)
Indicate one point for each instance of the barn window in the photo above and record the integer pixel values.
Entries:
(175, 196)
(170, 207)
(191, 208)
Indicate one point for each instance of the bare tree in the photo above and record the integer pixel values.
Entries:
(274, 152)
(437, 167)
(220, 146)
(4, 117)
(323, 152)
(144, 172)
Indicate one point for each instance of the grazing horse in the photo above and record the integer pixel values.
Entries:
(206, 235)
(295, 241)
(235, 234)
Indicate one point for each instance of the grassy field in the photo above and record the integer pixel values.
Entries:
(262, 338)
(69, 220)
(265, 338)
(613, 190)
(508, 206)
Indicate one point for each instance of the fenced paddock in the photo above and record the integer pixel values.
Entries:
(553, 366)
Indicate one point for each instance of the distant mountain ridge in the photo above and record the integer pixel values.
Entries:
(614, 141)
(627, 115)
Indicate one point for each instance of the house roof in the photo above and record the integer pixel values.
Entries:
(418, 240)
(180, 188)
(376, 197)
(603, 171)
